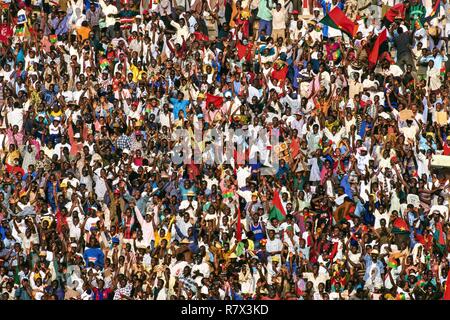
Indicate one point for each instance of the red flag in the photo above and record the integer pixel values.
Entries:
(200, 36)
(392, 13)
(277, 202)
(215, 100)
(238, 227)
(436, 8)
(400, 226)
(337, 19)
(447, 287)
(379, 44)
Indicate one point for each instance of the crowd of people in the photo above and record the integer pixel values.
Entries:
(94, 207)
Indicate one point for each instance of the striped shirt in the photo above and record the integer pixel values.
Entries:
(125, 291)
(93, 17)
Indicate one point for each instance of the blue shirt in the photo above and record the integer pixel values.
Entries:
(33, 176)
(179, 105)
(344, 184)
(94, 255)
(295, 77)
(2, 233)
(63, 27)
(236, 87)
(185, 191)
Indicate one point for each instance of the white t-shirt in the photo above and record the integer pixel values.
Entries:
(279, 19)
(15, 117)
(273, 246)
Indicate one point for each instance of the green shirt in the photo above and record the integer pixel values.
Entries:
(264, 12)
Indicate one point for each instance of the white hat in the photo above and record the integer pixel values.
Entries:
(77, 136)
(126, 151)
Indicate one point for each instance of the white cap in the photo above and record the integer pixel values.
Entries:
(77, 135)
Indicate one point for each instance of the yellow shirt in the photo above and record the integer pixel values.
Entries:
(56, 114)
(135, 71)
(167, 236)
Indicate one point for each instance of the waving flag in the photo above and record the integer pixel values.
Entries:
(380, 46)
(400, 226)
(200, 36)
(392, 13)
(439, 237)
(215, 100)
(277, 211)
(229, 193)
(435, 12)
(338, 20)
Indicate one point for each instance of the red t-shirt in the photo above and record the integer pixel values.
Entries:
(446, 148)
(5, 32)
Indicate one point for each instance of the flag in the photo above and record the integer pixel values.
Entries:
(397, 10)
(53, 38)
(277, 211)
(215, 100)
(337, 55)
(104, 63)
(443, 70)
(400, 296)
(238, 226)
(6, 32)
(22, 30)
(400, 226)
(380, 46)
(392, 263)
(447, 287)
(228, 194)
(439, 237)
(200, 36)
(434, 12)
(337, 19)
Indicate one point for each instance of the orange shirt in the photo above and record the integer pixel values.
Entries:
(83, 32)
